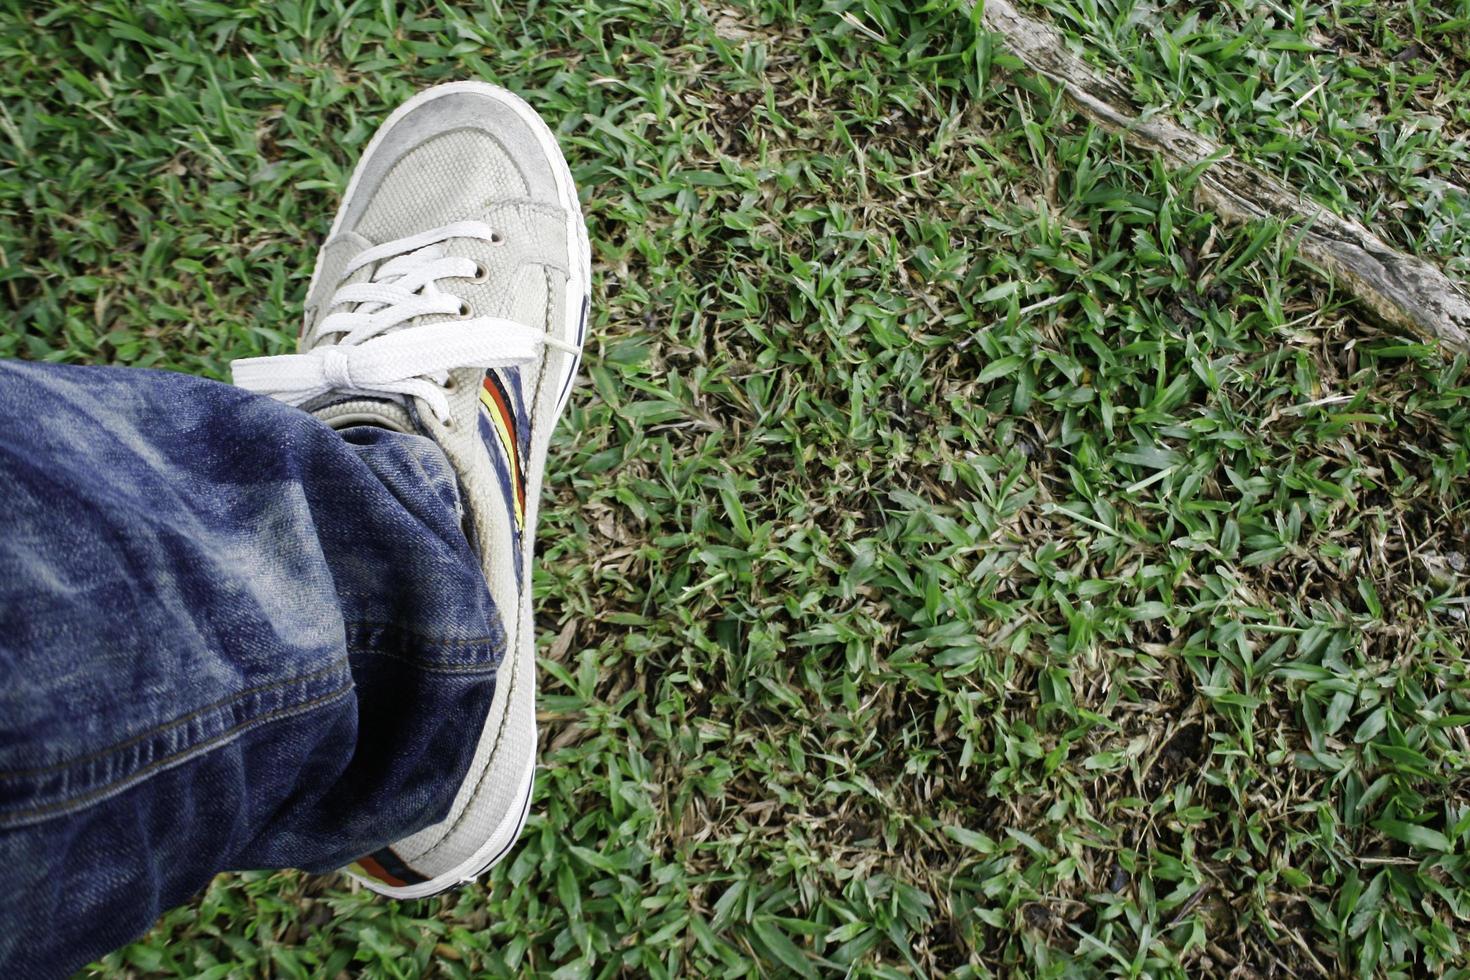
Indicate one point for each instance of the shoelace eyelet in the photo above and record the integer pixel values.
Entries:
(481, 276)
(496, 238)
(464, 310)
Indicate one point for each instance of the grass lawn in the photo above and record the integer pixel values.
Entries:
(963, 558)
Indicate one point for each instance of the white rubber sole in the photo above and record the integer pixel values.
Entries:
(578, 298)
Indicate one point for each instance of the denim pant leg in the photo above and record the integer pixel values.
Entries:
(230, 637)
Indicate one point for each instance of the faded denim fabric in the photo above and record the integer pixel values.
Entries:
(230, 638)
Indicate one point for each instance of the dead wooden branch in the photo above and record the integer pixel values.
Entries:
(1402, 290)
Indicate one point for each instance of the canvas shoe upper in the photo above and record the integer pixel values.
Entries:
(450, 298)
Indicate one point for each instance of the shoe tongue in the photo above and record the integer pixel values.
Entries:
(344, 411)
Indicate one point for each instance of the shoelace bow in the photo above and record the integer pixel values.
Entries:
(377, 353)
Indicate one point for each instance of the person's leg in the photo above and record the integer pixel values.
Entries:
(451, 298)
(230, 637)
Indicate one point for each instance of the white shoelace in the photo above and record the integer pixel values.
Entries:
(377, 354)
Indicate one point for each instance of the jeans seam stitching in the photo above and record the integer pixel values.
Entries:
(426, 640)
(61, 807)
(486, 668)
(335, 665)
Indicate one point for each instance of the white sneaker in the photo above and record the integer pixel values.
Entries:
(451, 299)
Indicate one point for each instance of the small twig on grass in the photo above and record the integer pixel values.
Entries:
(1402, 290)
(1189, 905)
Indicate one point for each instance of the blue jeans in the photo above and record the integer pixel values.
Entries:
(230, 638)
